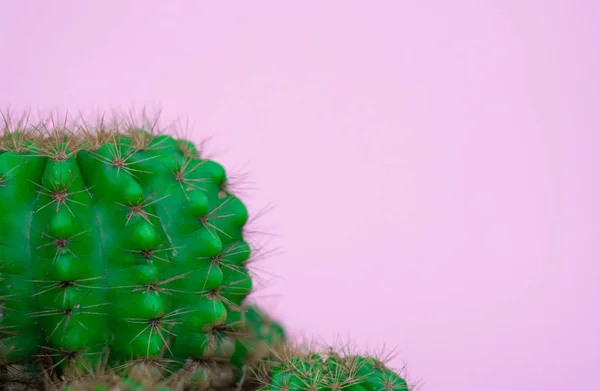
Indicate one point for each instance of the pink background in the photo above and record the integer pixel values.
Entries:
(432, 164)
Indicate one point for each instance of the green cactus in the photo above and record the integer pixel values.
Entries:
(260, 337)
(295, 368)
(124, 257)
(116, 237)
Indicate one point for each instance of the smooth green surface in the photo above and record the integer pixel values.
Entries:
(137, 249)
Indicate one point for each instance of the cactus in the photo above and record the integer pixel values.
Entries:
(295, 367)
(124, 266)
(118, 239)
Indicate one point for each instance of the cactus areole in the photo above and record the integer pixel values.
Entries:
(116, 240)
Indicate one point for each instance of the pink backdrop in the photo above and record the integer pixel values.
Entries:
(432, 164)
